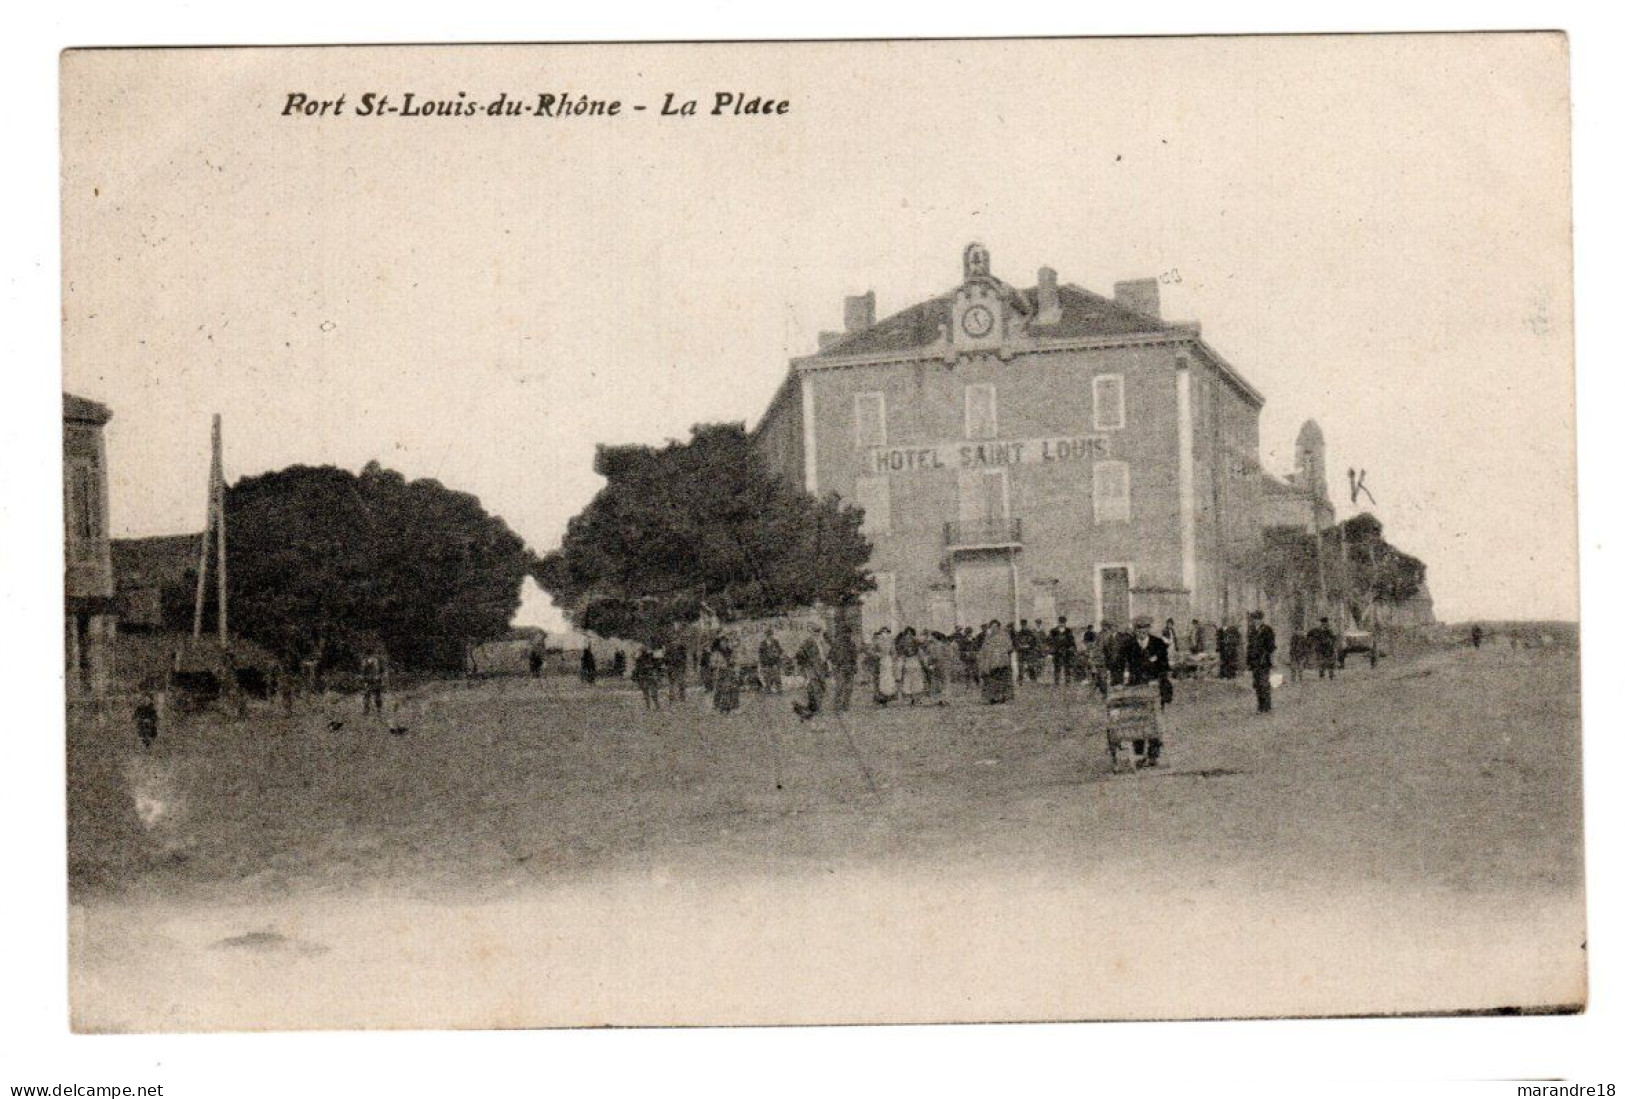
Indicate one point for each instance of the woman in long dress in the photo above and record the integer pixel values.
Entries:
(885, 667)
(911, 665)
(724, 677)
(993, 661)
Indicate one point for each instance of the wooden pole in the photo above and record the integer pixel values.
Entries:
(208, 529)
(219, 468)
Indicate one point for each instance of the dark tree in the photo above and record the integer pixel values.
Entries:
(1376, 569)
(701, 525)
(323, 562)
(1354, 561)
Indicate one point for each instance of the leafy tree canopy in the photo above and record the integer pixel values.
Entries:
(701, 525)
(1357, 563)
(1378, 570)
(324, 562)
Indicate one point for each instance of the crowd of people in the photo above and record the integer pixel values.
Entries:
(914, 667)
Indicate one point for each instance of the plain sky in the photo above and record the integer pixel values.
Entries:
(1375, 231)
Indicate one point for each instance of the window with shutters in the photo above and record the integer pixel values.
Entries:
(1109, 413)
(981, 412)
(1111, 492)
(873, 495)
(84, 509)
(869, 414)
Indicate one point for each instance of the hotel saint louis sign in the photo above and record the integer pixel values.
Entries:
(989, 453)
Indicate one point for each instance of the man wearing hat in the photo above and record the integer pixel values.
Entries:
(1260, 657)
(1143, 658)
(1139, 659)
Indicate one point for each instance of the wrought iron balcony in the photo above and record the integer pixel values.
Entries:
(972, 536)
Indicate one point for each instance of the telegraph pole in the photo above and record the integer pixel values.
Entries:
(214, 524)
(218, 472)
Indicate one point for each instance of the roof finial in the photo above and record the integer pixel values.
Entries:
(977, 264)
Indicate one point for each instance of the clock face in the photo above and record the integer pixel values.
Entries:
(977, 321)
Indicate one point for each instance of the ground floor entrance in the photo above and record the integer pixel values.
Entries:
(984, 589)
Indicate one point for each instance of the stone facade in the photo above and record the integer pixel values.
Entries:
(1030, 454)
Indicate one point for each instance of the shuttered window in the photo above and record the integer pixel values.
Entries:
(1111, 492)
(873, 495)
(1109, 413)
(981, 412)
(869, 414)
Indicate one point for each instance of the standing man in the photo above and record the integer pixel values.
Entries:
(1260, 657)
(1478, 635)
(647, 674)
(1228, 644)
(1065, 647)
(769, 658)
(1299, 653)
(968, 643)
(1103, 656)
(814, 664)
(843, 664)
(676, 669)
(1140, 659)
(1026, 645)
(1324, 642)
(373, 675)
(1143, 659)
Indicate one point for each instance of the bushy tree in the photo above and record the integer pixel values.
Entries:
(1355, 563)
(1376, 569)
(701, 525)
(324, 562)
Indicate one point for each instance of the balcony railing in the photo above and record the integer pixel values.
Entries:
(982, 535)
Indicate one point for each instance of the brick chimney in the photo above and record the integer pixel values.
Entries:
(860, 312)
(1049, 297)
(1139, 295)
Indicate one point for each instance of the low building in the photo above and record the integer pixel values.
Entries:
(155, 580)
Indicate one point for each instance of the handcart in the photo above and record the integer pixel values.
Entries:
(1134, 728)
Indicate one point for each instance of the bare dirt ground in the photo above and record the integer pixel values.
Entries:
(1404, 839)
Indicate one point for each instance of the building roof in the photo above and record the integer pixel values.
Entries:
(83, 410)
(1083, 314)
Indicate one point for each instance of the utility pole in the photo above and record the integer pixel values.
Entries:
(214, 524)
(217, 465)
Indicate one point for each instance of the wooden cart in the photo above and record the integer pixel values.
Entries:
(1134, 719)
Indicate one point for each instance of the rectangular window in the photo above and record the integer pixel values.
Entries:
(1111, 492)
(869, 414)
(984, 500)
(84, 509)
(981, 412)
(873, 495)
(1109, 414)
